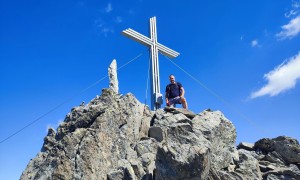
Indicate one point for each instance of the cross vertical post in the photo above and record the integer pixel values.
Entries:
(155, 47)
(156, 101)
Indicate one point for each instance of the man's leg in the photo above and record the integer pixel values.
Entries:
(183, 102)
(172, 102)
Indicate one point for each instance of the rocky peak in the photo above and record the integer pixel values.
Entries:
(116, 137)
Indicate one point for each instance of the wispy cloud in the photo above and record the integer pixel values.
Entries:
(282, 78)
(296, 4)
(254, 43)
(291, 13)
(107, 21)
(118, 19)
(294, 10)
(103, 28)
(290, 30)
(105, 31)
(108, 8)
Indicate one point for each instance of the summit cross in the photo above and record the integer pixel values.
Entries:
(155, 47)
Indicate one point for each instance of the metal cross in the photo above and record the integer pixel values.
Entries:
(155, 47)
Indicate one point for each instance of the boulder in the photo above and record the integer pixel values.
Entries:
(221, 134)
(248, 166)
(282, 149)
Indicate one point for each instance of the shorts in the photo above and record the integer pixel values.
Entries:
(174, 101)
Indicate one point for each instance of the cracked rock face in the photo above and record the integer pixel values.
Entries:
(116, 137)
(92, 140)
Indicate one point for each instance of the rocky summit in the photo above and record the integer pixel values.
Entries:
(116, 137)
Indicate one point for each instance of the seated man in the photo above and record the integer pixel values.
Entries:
(175, 93)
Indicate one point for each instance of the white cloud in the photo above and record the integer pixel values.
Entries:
(296, 4)
(291, 13)
(106, 30)
(108, 8)
(103, 28)
(282, 78)
(294, 10)
(254, 43)
(290, 30)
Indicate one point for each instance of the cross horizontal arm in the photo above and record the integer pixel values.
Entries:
(132, 34)
(167, 51)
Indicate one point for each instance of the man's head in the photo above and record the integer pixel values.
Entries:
(172, 78)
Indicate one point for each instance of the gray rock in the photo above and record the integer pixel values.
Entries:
(93, 139)
(282, 148)
(266, 166)
(278, 177)
(156, 133)
(181, 154)
(248, 166)
(265, 144)
(186, 112)
(113, 77)
(274, 157)
(116, 175)
(290, 172)
(221, 133)
(288, 148)
(246, 146)
(259, 157)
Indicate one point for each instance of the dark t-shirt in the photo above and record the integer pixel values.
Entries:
(174, 90)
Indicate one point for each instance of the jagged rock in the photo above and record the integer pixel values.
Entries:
(181, 154)
(290, 172)
(274, 157)
(288, 148)
(280, 149)
(113, 78)
(221, 134)
(92, 139)
(265, 144)
(248, 166)
(117, 137)
(186, 112)
(266, 166)
(116, 175)
(246, 146)
(258, 156)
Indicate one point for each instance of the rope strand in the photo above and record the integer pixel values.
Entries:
(68, 100)
(148, 76)
(216, 95)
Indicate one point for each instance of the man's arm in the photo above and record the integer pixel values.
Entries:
(167, 98)
(182, 92)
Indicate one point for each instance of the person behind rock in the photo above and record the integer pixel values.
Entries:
(175, 93)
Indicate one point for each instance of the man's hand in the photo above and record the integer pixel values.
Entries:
(167, 102)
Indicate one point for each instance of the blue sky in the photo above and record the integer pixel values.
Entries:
(245, 53)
